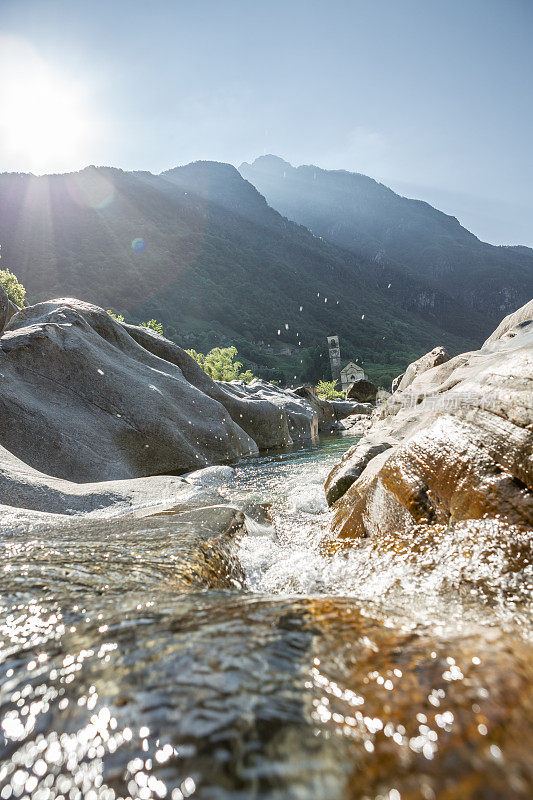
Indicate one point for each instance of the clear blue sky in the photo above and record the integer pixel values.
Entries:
(432, 97)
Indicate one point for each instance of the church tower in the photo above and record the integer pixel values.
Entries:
(334, 357)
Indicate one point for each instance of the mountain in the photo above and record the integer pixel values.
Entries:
(199, 248)
(359, 214)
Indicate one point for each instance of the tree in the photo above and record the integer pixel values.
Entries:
(118, 317)
(327, 391)
(14, 289)
(154, 325)
(220, 365)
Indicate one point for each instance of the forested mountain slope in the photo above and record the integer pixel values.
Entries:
(366, 217)
(200, 249)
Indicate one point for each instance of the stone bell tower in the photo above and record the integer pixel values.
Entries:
(334, 357)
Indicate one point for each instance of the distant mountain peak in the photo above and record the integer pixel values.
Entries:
(268, 162)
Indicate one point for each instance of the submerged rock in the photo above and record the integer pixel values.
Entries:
(455, 445)
(214, 692)
(177, 550)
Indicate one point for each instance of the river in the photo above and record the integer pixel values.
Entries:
(378, 673)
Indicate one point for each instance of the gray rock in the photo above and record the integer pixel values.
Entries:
(266, 413)
(210, 476)
(4, 308)
(439, 355)
(345, 408)
(82, 400)
(24, 488)
(325, 410)
(296, 415)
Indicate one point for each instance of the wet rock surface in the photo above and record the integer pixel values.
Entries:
(227, 696)
(461, 437)
(138, 660)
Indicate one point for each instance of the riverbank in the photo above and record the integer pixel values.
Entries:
(205, 636)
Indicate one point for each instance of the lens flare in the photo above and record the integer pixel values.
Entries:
(138, 245)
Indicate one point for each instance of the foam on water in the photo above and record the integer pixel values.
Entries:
(443, 578)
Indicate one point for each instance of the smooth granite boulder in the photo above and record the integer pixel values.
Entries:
(82, 400)
(22, 487)
(267, 414)
(439, 355)
(297, 415)
(456, 445)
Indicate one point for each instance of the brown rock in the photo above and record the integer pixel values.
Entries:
(462, 439)
(363, 391)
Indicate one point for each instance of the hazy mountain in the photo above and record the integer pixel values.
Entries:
(199, 248)
(361, 215)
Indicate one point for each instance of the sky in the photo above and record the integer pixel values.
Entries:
(431, 97)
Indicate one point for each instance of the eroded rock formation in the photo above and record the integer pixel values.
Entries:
(455, 445)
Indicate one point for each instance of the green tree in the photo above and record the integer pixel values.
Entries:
(154, 325)
(327, 391)
(118, 317)
(14, 289)
(219, 363)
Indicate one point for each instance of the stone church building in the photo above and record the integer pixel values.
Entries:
(351, 372)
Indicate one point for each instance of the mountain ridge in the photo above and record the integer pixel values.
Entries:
(217, 265)
(368, 218)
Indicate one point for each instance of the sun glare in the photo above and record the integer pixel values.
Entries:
(45, 123)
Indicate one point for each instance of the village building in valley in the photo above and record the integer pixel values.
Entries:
(348, 374)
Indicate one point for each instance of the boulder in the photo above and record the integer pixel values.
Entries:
(22, 487)
(296, 415)
(455, 445)
(345, 408)
(83, 401)
(439, 355)
(326, 416)
(396, 382)
(330, 412)
(362, 390)
(268, 415)
(4, 308)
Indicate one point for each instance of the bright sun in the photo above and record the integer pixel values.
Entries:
(45, 124)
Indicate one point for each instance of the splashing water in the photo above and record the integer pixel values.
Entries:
(302, 676)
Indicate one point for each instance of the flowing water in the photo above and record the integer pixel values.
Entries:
(398, 670)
